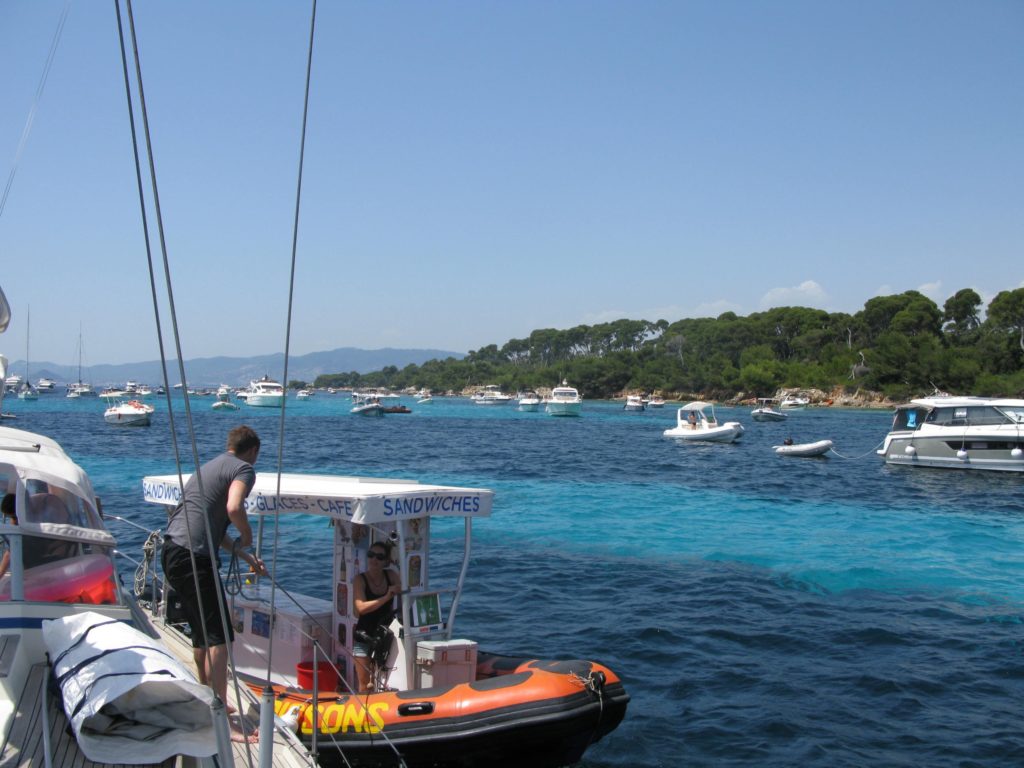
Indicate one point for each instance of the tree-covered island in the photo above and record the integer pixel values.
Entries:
(897, 346)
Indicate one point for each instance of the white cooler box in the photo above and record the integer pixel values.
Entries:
(445, 662)
(250, 614)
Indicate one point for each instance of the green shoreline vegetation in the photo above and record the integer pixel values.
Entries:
(896, 347)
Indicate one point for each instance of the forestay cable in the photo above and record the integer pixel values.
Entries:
(35, 105)
(220, 725)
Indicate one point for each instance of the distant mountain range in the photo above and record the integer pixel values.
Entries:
(237, 371)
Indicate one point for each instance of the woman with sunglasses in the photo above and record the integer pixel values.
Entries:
(374, 595)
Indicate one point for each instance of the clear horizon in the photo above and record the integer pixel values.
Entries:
(476, 172)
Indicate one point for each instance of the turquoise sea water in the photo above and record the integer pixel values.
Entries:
(761, 610)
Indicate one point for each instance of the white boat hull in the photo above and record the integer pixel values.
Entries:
(563, 409)
(264, 401)
(728, 432)
(942, 452)
(763, 414)
(819, 448)
(127, 419)
(369, 409)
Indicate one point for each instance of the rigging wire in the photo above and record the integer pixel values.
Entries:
(177, 340)
(35, 105)
(288, 323)
(174, 324)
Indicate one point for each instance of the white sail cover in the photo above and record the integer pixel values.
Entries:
(5, 312)
(128, 699)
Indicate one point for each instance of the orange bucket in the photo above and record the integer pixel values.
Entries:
(327, 677)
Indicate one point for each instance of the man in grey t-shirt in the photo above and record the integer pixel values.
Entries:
(218, 501)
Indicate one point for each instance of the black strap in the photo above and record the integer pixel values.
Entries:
(81, 639)
(95, 657)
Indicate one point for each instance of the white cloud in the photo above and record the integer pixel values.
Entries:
(715, 308)
(809, 294)
(932, 291)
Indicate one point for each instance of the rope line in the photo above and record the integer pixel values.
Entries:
(861, 456)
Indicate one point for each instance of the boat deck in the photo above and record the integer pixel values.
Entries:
(26, 746)
(288, 750)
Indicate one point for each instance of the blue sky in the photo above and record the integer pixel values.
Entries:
(477, 170)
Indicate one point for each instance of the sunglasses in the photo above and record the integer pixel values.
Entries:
(377, 555)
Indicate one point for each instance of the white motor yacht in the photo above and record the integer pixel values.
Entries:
(564, 401)
(958, 433)
(491, 395)
(265, 393)
(694, 423)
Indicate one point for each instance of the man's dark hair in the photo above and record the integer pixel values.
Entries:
(242, 439)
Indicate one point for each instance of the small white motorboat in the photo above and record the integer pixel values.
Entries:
(633, 403)
(766, 410)
(304, 394)
(529, 401)
(819, 448)
(368, 408)
(225, 405)
(694, 423)
(795, 402)
(129, 414)
(656, 401)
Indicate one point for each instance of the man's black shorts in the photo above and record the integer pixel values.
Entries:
(177, 562)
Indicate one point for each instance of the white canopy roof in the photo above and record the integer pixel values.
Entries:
(697, 405)
(41, 457)
(357, 499)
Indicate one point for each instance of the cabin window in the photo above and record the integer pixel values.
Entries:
(985, 415)
(1014, 413)
(908, 418)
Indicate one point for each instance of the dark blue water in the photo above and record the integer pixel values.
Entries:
(762, 610)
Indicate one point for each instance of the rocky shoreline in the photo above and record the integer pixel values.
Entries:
(837, 397)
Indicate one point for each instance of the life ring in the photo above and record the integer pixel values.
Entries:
(82, 579)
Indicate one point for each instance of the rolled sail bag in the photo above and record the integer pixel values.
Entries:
(128, 699)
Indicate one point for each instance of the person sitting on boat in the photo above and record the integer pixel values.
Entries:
(374, 593)
(10, 518)
(788, 441)
(692, 419)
